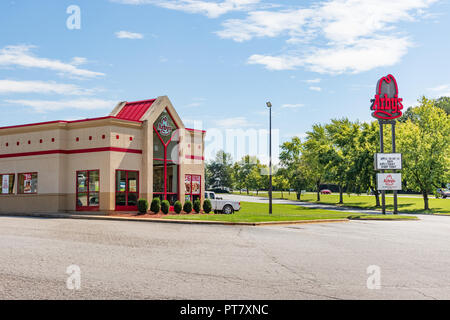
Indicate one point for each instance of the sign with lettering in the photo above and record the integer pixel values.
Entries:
(387, 105)
(388, 161)
(389, 181)
(164, 127)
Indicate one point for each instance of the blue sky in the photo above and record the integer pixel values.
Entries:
(220, 61)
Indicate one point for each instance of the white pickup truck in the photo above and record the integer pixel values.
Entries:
(225, 206)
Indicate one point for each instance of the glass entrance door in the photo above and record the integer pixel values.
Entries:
(127, 190)
(88, 188)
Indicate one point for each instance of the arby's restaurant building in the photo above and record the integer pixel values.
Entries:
(140, 150)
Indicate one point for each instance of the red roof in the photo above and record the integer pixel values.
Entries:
(134, 110)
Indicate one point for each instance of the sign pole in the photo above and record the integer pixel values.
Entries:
(269, 105)
(383, 193)
(386, 108)
(270, 161)
(393, 151)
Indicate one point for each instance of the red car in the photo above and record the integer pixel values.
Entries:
(325, 191)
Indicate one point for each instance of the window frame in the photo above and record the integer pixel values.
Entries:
(18, 183)
(14, 188)
(165, 160)
(126, 207)
(191, 194)
(88, 208)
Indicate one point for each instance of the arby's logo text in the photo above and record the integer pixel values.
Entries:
(389, 181)
(387, 105)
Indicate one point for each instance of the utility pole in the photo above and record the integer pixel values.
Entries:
(269, 105)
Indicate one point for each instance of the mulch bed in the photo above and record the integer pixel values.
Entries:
(153, 215)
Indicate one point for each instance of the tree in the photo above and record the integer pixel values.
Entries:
(219, 171)
(342, 135)
(254, 179)
(425, 146)
(238, 179)
(314, 153)
(443, 103)
(363, 156)
(293, 167)
(281, 181)
(241, 171)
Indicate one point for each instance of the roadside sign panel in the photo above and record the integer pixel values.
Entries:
(389, 181)
(388, 161)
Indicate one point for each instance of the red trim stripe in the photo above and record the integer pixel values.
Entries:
(39, 153)
(195, 130)
(195, 157)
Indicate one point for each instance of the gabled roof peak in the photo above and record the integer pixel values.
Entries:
(134, 110)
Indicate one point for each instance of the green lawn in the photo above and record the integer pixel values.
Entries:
(258, 212)
(406, 205)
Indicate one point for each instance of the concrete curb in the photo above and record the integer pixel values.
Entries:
(362, 219)
(179, 221)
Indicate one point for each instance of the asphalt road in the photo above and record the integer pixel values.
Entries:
(138, 260)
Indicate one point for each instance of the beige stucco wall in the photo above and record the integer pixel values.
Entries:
(57, 172)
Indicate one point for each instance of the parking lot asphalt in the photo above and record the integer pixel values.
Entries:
(131, 260)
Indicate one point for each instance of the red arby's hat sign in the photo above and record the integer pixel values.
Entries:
(387, 105)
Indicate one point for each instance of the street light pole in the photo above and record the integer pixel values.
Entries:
(269, 105)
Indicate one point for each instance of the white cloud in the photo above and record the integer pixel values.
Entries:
(318, 89)
(128, 35)
(271, 24)
(22, 56)
(43, 106)
(12, 86)
(211, 9)
(364, 55)
(332, 36)
(276, 63)
(317, 80)
(292, 106)
(77, 61)
(441, 91)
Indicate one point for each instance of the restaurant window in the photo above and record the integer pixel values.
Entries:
(192, 187)
(7, 181)
(88, 188)
(28, 183)
(165, 158)
(127, 189)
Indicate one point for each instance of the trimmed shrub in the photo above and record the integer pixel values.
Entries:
(156, 205)
(207, 207)
(142, 206)
(187, 207)
(197, 206)
(177, 206)
(165, 205)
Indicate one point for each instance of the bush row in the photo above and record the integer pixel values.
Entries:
(158, 205)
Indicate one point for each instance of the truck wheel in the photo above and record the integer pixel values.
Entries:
(228, 209)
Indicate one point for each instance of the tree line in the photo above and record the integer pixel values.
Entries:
(342, 153)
